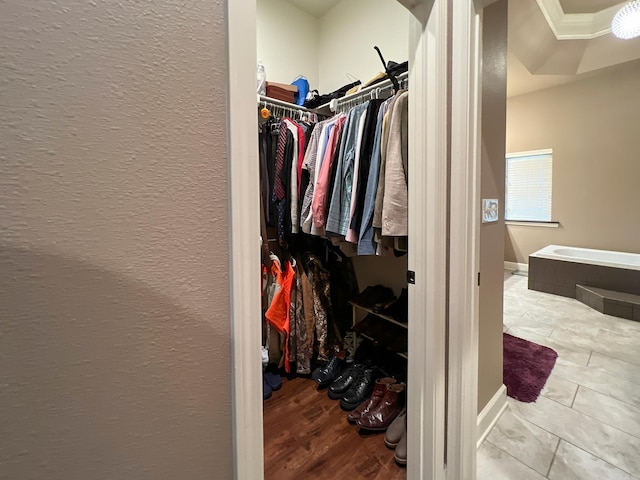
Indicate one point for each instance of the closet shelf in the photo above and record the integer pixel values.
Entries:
(369, 337)
(368, 91)
(329, 108)
(384, 317)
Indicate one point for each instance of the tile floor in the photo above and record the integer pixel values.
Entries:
(586, 423)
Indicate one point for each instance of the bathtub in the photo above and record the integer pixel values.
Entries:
(558, 269)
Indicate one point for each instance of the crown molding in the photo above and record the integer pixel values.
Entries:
(577, 26)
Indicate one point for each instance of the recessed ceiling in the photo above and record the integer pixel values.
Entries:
(317, 8)
(586, 6)
(578, 26)
(520, 80)
(540, 58)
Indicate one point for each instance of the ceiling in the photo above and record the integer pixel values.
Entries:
(551, 42)
(317, 8)
(548, 46)
(586, 6)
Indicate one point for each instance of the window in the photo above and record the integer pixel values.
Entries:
(528, 186)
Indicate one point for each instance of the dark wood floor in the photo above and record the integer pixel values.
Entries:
(307, 437)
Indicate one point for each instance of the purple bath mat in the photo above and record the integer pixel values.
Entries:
(527, 366)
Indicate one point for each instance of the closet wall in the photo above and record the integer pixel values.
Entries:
(384, 23)
(288, 42)
(292, 42)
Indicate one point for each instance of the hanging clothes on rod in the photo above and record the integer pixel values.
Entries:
(342, 181)
(272, 107)
(364, 199)
(382, 90)
(344, 178)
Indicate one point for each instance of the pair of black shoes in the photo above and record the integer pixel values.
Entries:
(324, 376)
(353, 386)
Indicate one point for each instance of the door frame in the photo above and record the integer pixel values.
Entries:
(464, 265)
(427, 257)
(443, 234)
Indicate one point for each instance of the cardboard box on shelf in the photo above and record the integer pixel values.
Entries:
(282, 91)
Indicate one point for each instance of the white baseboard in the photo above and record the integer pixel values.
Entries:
(491, 413)
(516, 267)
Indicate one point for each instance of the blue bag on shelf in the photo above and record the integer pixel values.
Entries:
(303, 89)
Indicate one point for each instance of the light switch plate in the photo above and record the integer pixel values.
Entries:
(489, 210)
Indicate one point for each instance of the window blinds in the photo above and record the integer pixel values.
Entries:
(528, 186)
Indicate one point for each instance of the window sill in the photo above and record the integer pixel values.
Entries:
(532, 224)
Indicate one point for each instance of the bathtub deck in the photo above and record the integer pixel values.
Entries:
(561, 277)
(609, 302)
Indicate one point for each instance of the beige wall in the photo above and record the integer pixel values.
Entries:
(494, 91)
(593, 128)
(348, 33)
(114, 302)
(335, 49)
(373, 270)
(288, 40)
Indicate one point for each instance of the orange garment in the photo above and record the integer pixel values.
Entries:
(278, 312)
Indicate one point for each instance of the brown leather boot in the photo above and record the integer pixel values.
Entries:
(380, 417)
(366, 406)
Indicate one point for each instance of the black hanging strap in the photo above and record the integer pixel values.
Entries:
(392, 77)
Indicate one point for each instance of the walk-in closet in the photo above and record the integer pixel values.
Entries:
(332, 109)
(344, 197)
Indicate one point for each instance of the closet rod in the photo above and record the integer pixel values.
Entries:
(279, 103)
(365, 93)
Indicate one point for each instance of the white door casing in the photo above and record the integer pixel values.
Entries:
(426, 383)
(430, 164)
(464, 243)
(244, 268)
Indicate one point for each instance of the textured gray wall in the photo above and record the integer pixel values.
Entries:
(114, 296)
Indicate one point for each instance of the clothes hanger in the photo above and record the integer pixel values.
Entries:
(264, 111)
(351, 77)
(391, 76)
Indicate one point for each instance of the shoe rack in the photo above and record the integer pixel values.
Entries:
(360, 308)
